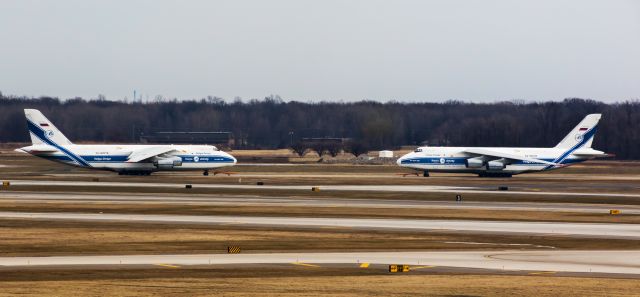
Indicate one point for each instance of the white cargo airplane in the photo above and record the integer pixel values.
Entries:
(505, 162)
(49, 143)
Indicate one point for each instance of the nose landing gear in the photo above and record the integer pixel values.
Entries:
(205, 173)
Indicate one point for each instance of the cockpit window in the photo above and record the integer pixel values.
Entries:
(418, 150)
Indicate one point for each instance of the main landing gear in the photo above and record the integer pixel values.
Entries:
(205, 173)
(425, 174)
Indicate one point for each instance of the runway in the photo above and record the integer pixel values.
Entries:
(599, 230)
(178, 199)
(625, 262)
(361, 188)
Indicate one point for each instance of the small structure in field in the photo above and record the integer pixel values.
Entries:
(385, 154)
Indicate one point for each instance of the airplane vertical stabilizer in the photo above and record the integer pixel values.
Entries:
(582, 134)
(42, 130)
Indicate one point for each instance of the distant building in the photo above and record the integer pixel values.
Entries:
(222, 139)
(385, 154)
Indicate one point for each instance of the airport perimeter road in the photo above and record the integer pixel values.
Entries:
(604, 230)
(360, 188)
(178, 199)
(626, 262)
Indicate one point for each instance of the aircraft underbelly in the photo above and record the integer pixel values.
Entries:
(514, 169)
(147, 166)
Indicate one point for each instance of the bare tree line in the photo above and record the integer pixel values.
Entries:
(272, 123)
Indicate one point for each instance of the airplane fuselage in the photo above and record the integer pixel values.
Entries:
(115, 157)
(455, 159)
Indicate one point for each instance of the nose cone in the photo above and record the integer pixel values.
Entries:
(402, 159)
(232, 158)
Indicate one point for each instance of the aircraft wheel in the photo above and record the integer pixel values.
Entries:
(205, 173)
(425, 174)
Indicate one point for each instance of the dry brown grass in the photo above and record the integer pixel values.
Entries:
(426, 196)
(268, 282)
(302, 211)
(46, 238)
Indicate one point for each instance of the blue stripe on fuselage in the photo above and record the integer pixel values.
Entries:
(123, 158)
(461, 161)
(205, 159)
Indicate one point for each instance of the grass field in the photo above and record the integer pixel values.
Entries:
(301, 281)
(46, 238)
(312, 211)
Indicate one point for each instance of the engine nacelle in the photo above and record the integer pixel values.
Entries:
(495, 165)
(167, 163)
(474, 162)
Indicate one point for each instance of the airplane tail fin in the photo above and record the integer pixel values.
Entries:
(42, 131)
(582, 134)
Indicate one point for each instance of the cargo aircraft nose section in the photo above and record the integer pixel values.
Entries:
(234, 160)
(402, 160)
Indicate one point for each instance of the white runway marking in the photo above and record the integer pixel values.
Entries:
(603, 230)
(627, 262)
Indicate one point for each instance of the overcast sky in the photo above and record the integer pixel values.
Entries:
(485, 50)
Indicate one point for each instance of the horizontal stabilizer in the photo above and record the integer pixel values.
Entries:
(591, 153)
(37, 149)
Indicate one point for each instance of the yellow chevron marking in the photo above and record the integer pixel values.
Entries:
(167, 265)
(418, 267)
(304, 264)
(542, 272)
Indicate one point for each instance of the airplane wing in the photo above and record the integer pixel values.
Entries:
(146, 153)
(485, 152)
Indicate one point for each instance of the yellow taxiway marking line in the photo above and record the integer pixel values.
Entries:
(364, 265)
(304, 264)
(542, 272)
(418, 267)
(167, 265)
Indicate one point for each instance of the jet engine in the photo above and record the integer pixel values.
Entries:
(167, 163)
(474, 162)
(496, 165)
